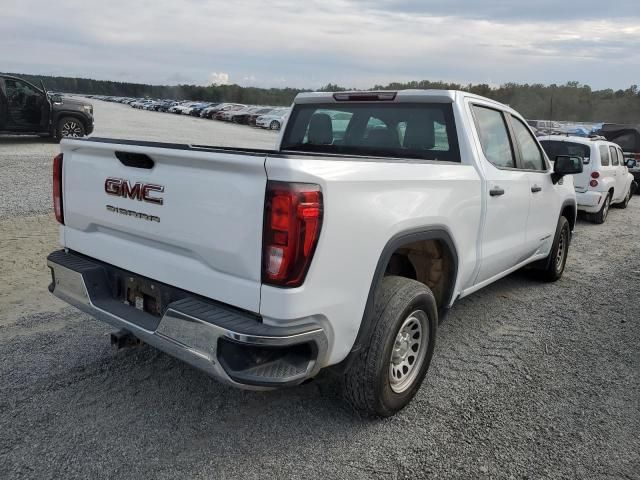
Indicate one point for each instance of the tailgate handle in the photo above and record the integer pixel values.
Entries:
(136, 160)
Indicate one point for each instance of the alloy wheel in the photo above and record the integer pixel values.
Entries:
(71, 128)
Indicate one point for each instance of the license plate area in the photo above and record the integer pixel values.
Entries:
(144, 295)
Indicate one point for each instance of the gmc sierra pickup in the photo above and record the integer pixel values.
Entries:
(343, 247)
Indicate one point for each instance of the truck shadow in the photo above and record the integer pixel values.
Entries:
(26, 140)
(131, 401)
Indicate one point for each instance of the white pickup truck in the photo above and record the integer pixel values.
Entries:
(343, 247)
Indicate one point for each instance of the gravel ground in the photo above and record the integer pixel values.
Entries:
(529, 380)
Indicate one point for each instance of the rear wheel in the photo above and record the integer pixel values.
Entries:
(625, 202)
(70, 127)
(554, 264)
(275, 125)
(388, 371)
(601, 216)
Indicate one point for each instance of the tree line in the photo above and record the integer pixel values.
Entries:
(572, 101)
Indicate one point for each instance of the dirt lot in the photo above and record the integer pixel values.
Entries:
(529, 380)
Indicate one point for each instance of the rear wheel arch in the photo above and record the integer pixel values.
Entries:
(405, 246)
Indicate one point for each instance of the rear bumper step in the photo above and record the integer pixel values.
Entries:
(228, 344)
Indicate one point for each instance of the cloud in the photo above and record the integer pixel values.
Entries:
(219, 78)
(549, 11)
(355, 43)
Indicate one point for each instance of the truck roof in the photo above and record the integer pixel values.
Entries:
(399, 96)
(574, 139)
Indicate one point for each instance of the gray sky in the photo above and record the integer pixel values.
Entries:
(308, 43)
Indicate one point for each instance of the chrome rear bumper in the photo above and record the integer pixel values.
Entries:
(228, 344)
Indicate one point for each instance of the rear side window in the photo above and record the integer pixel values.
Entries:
(614, 156)
(529, 151)
(555, 148)
(604, 155)
(494, 136)
(424, 131)
(620, 156)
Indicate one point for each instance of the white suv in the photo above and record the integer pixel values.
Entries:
(605, 179)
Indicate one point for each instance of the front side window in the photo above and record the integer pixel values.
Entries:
(604, 155)
(18, 88)
(614, 156)
(494, 136)
(425, 131)
(530, 153)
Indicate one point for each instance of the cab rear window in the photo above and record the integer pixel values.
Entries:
(553, 148)
(423, 131)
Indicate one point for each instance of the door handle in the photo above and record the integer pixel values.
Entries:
(496, 191)
(536, 189)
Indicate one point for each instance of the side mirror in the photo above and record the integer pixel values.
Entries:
(631, 163)
(566, 165)
(56, 98)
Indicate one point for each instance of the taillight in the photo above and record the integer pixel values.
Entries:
(593, 183)
(292, 223)
(595, 174)
(637, 156)
(57, 188)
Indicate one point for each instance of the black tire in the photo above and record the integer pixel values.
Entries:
(625, 202)
(601, 216)
(274, 125)
(70, 127)
(368, 385)
(554, 264)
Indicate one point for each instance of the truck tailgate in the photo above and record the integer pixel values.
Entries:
(205, 236)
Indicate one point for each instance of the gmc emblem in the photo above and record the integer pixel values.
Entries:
(119, 187)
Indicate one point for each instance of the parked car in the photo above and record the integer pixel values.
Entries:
(29, 110)
(185, 108)
(264, 267)
(605, 180)
(197, 110)
(141, 104)
(273, 120)
(242, 116)
(546, 127)
(165, 105)
(222, 107)
(152, 106)
(628, 138)
(174, 108)
(225, 112)
(251, 118)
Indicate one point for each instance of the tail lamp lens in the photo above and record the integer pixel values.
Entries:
(593, 183)
(292, 223)
(595, 174)
(57, 188)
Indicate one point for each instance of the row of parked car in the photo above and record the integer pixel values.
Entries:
(271, 118)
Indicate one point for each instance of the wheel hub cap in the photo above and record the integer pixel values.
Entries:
(409, 351)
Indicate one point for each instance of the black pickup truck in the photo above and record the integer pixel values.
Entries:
(28, 110)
